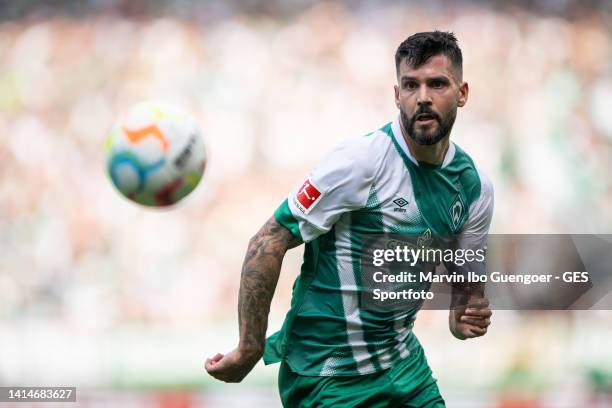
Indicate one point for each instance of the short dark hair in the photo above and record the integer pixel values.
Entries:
(420, 47)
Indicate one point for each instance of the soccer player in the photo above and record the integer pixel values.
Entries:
(333, 351)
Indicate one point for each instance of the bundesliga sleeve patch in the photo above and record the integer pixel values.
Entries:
(307, 197)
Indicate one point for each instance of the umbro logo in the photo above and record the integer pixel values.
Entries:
(400, 202)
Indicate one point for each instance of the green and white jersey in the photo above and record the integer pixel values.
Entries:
(366, 186)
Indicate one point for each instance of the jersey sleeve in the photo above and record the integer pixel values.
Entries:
(338, 184)
(480, 212)
(476, 229)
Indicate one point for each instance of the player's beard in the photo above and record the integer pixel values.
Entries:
(428, 137)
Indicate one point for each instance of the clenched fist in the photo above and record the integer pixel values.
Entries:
(471, 320)
(233, 366)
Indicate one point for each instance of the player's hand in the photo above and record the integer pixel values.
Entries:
(472, 320)
(233, 366)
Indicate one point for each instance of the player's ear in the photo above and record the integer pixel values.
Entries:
(397, 101)
(464, 90)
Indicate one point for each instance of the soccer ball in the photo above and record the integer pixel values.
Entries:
(155, 154)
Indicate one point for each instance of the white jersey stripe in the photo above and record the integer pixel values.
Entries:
(350, 300)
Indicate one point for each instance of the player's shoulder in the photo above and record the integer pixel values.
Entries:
(363, 153)
(365, 146)
(486, 185)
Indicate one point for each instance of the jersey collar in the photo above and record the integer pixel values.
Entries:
(399, 138)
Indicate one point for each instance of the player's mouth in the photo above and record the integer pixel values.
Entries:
(425, 118)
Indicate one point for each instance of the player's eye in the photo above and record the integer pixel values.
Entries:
(411, 85)
(437, 84)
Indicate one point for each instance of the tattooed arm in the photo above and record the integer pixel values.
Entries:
(262, 265)
(260, 272)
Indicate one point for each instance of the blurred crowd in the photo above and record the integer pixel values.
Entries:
(273, 94)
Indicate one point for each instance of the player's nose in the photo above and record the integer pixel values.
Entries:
(424, 96)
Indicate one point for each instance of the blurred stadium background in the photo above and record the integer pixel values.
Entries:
(126, 303)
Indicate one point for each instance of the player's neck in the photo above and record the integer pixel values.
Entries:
(432, 154)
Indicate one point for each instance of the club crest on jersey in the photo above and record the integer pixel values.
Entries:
(425, 239)
(307, 197)
(456, 211)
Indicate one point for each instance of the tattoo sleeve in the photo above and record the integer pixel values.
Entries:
(260, 272)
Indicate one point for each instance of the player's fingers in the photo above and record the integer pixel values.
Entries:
(478, 331)
(476, 321)
(212, 364)
(471, 331)
(478, 312)
(217, 357)
(216, 370)
(478, 302)
(209, 366)
(225, 373)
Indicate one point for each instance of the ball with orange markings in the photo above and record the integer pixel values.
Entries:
(155, 154)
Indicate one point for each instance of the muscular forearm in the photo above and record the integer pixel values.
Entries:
(260, 273)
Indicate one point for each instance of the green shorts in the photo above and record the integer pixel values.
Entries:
(407, 384)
